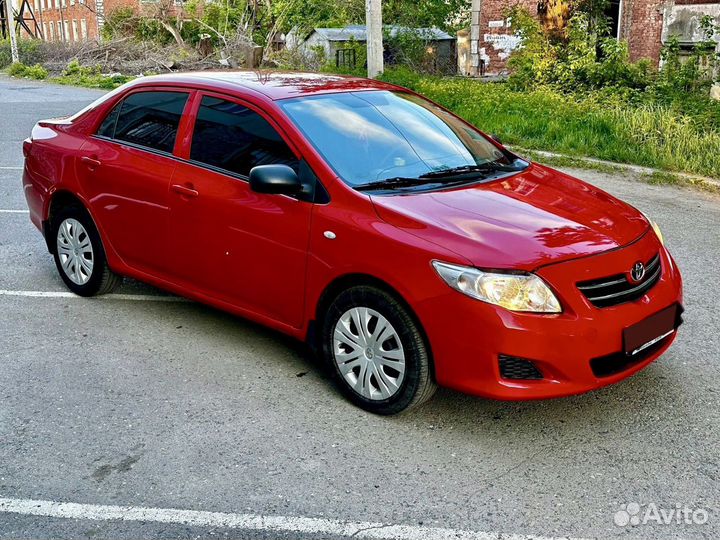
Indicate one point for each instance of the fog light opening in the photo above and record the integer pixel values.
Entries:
(518, 369)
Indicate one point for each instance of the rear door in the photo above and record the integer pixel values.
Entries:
(125, 171)
(242, 247)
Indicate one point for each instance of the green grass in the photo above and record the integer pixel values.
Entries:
(669, 179)
(651, 135)
(93, 81)
(664, 179)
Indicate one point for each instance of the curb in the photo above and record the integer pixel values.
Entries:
(704, 181)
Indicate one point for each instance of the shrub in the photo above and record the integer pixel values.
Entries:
(30, 51)
(36, 72)
(18, 69)
(75, 69)
(5, 55)
(91, 77)
(580, 56)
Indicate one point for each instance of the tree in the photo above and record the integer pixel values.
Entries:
(307, 14)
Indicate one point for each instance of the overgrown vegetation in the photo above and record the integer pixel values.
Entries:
(578, 55)
(259, 23)
(606, 127)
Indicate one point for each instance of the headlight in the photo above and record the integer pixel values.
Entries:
(655, 228)
(516, 292)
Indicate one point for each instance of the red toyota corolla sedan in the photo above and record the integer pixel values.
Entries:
(407, 247)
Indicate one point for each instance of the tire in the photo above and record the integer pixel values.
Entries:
(79, 253)
(368, 370)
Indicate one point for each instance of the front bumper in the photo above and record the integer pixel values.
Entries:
(467, 336)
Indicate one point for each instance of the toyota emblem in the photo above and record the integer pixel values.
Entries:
(638, 271)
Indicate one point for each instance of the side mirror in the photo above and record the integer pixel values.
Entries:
(495, 138)
(275, 180)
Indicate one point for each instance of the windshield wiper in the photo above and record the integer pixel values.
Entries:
(403, 181)
(465, 169)
(451, 175)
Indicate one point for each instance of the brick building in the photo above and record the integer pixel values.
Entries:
(66, 20)
(644, 24)
(82, 20)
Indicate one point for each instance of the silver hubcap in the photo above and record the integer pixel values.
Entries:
(75, 251)
(369, 354)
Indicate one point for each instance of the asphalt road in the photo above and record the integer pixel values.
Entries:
(174, 405)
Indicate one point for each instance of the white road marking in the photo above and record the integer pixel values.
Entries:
(65, 294)
(14, 211)
(11, 168)
(253, 522)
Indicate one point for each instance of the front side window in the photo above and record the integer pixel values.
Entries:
(148, 119)
(371, 136)
(234, 138)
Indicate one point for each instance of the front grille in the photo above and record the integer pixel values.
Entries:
(613, 290)
(518, 368)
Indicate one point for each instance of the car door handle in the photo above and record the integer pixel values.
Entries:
(184, 190)
(92, 163)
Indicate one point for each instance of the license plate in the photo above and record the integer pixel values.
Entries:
(649, 331)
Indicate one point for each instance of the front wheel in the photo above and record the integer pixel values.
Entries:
(79, 254)
(377, 352)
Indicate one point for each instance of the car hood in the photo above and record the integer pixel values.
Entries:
(537, 217)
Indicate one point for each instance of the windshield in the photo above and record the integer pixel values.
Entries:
(372, 136)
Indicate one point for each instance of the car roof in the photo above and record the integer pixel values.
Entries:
(272, 84)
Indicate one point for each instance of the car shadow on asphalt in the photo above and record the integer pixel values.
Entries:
(611, 411)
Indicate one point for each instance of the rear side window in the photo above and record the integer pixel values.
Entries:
(236, 139)
(107, 128)
(148, 119)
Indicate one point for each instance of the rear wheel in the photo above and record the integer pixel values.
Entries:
(377, 352)
(79, 254)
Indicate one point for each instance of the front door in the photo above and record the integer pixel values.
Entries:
(242, 247)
